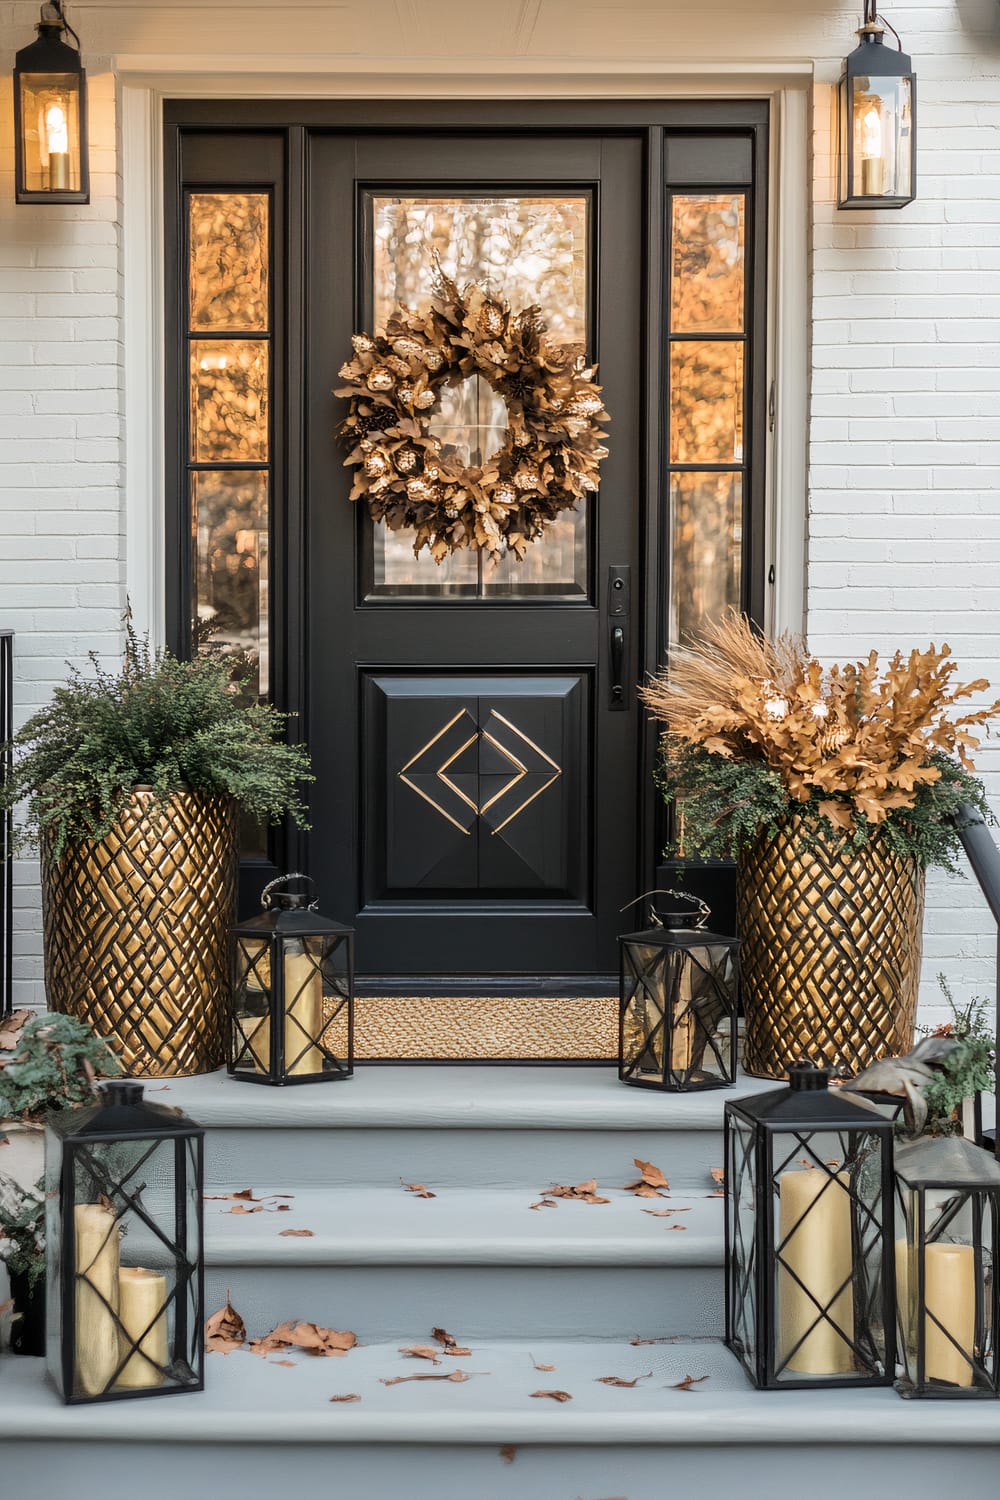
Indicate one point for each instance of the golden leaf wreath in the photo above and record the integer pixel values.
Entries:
(551, 454)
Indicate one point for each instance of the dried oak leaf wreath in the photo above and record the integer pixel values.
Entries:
(551, 454)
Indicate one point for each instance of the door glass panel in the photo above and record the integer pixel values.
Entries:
(230, 537)
(228, 268)
(706, 402)
(229, 381)
(706, 281)
(530, 249)
(706, 548)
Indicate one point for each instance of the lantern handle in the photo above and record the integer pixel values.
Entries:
(704, 910)
(265, 895)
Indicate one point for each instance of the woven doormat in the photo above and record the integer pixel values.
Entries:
(485, 1028)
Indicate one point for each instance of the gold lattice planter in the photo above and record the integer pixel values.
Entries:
(830, 961)
(137, 932)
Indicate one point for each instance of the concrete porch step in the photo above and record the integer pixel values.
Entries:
(258, 1426)
(479, 1261)
(452, 1127)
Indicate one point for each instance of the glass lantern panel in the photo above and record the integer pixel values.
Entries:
(742, 1290)
(251, 1038)
(229, 524)
(881, 137)
(946, 1342)
(228, 271)
(826, 1207)
(127, 1260)
(303, 990)
(50, 125)
(707, 262)
(331, 953)
(706, 401)
(229, 400)
(706, 550)
(701, 1036)
(643, 999)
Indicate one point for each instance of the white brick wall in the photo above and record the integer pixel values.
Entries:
(904, 520)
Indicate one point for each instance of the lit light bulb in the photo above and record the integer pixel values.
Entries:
(871, 133)
(57, 146)
(872, 158)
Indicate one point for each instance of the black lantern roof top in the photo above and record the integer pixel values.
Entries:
(679, 937)
(871, 57)
(121, 1112)
(48, 53)
(291, 922)
(946, 1161)
(808, 1103)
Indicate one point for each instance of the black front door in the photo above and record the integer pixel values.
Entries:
(476, 798)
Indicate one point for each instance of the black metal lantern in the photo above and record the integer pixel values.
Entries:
(125, 1304)
(878, 122)
(678, 1001)
(50, 116)
(809, 1264)
(292, 1015)
(948, 1298)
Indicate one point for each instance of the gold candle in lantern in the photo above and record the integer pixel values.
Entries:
(815, 1233)
(143, 1318)
(96, 1297)
(303, 1010)
(950, 1295)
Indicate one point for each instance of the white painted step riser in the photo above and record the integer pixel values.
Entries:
(385, 1471)
(477, 1302)
(532, 1159)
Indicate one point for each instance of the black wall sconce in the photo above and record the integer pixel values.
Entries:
(50, 116)
(878, 121)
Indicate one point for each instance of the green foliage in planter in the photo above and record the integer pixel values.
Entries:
(168, 724)
(968, 1069)
(22, 1230)
(727, 805)
(54, 1065)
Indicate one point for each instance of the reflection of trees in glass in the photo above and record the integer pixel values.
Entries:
(229, 517)
(706, 537)
(706, 402)
(228, 264)
(229, 387)
(707, 263)
(530, 250)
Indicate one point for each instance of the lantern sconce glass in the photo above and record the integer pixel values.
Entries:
(50, 116)
(877, 121)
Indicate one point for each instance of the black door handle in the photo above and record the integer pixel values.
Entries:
(619, 607)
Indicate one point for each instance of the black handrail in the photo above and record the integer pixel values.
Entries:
(984, 857)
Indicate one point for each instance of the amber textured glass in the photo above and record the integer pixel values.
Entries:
(230, 534)
(228, 269)
(707, 263)
(706, 545)
(706, 402)
(229, 391)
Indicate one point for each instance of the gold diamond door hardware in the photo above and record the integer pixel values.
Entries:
(532, 770)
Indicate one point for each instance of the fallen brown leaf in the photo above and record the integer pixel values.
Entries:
(309, 1337)
(687, 1382)
(10, 1026)
(288, 1234)
(449, 1344)
(225, 1330)
(670, 1338)
(418, 1189)
(664, 1213)
(456, 1377)
(675, 1226)
(351, 1397)
(547, 1368)
(649, 1183)
(718, 1175)
(508, 1453)
(583, 1192)
(544, 1203)
(238, 1208)
(288, 1363)
(555, 1395)
(423, 1351)
(620, 1381)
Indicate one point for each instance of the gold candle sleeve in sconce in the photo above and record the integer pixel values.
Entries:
(303, 1010)
(950, 1298)
(143, 1318)
(96, 1297)
(815, 1245)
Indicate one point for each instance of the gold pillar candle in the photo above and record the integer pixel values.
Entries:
(96, 1297)
(904, 1312)
(143, 1318)
(303, 1010)
(815, 1238)
(950, 1295)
